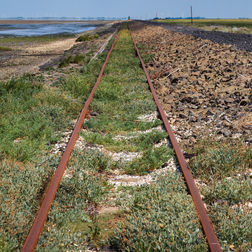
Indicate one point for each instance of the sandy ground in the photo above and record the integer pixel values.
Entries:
(27, 58)
(54, 47)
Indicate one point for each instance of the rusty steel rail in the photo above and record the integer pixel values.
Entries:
(212, 239)
(37, 227)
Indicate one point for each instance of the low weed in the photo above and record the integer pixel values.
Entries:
(133, 144)
(87, 37)
(161, 217)
(75, 59)
(4, 48)
(224, 166)
(146, 56)
(30, 116)
(93, 161)
(22, 187)
(219, 160)
(150, 160)
(229, 191)
(232, 225)
(73, 216)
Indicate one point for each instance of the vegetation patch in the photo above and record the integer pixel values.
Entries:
(87, 37)
(3, 48)
(21, 189)
(224, 167)
(150, 160)
(30, 116)
(161, 217)
(133, 144)
(75, 59)
(32, 39)
(120, 99)
(32, 119)
(215, 24)
(217, 160)
(73, 221)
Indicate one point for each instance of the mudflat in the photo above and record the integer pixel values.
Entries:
(10, 21)
(19, 55)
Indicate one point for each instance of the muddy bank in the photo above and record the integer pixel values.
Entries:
(28, 54)
(94, 22)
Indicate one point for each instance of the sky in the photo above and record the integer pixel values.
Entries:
(138, 9)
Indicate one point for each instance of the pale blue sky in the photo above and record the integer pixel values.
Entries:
(122, 8)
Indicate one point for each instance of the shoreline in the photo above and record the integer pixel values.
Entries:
(10, 21)
(27, 54)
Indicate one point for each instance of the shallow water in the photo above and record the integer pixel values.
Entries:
(43, 29)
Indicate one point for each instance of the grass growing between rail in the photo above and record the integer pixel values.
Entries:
(224, 168)
(121, 98)
(154, 217)
(73, 220)
(160, 217)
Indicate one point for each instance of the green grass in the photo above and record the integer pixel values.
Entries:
(32, 39)
(21, 189)
(160, 217)
(134, 143)
(87, 37)
(151, 159)
(76, 59)
(215, 160)
(3, 48)
(218, 24)
(73, 216)
(30, 115)
(224, 167)
(121, 98)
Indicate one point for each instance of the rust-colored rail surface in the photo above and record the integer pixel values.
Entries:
(37, 227)
(212, 239)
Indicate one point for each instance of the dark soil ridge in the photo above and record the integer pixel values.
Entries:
(240, 41)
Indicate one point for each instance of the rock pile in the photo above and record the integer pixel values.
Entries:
(205, 87)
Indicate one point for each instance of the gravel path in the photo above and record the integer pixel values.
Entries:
(240, 41)
(205, 87)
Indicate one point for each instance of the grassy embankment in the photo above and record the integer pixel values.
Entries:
(226, 25)
(158, 216)
(32, 39)
(4, 48)
(223, 168)
(32, 119)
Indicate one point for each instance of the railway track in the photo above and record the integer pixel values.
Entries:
(37, 227)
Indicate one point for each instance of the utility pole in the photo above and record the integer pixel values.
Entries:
(191, 16)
